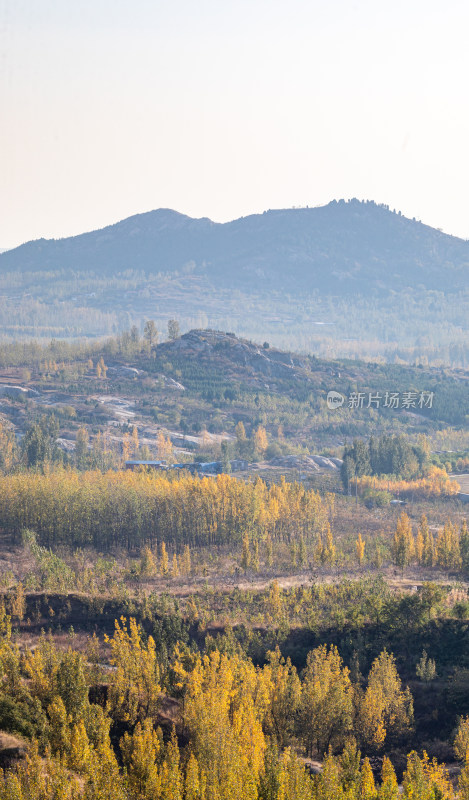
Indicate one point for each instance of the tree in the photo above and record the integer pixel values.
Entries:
(164, 446)
(326, 700)
(134, 336)
(150, 334)
(464, 545)
(135, 441)
(18, 603)
(403, 542)
(360, 549)
(463, 782)
(447, 547)
(284, 697)
(359, 456)
(246, 554)
(224, 722)
(255, 557)
(148, 568)
(426, 779)
(140, 753)
(347, 471)
(185, 561)
(261, 442)
(428, 546)
(302, 553)
(81, 448)
(126, 445)
(104, 779)
(326, 547)
(389, 789)
(461, 739)
(192, 787)
(71, 682)
(80, 750)
(242, 445)
(38, 443)
(173, 329)
(426, 669)
(240, 432)
(174, 566)
(294, 554)
(367, 783)
(226, 455)
(386, 710)
(135, 687)
(8, 448)
(294, 782)
(274, 603)
(164, 562)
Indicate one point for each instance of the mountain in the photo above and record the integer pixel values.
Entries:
(342, 248)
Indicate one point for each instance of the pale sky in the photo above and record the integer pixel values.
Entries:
(224, 108)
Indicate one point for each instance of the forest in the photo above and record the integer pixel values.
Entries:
(295, 628)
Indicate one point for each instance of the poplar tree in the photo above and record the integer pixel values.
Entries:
(164, 560)
(360, 549)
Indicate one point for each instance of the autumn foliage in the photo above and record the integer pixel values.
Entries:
(135, 508)
(435, 484)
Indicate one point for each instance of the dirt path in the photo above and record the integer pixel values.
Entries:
(258, 584)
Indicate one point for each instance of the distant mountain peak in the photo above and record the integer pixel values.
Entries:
(343, 247)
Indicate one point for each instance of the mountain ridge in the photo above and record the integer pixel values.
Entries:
(342, 247)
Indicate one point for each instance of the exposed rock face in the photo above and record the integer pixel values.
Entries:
(16, 391)
(306, 463)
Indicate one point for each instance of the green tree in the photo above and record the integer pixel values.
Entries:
(71, 682)
(174, 331)
(81, 448)
(150, 333)
(464, 545)
(38, 443)
(426, 669)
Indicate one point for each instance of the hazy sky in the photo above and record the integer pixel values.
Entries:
(222, 108)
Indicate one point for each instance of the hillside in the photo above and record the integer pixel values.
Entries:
(218, 365)
(340, 248)
(212, 380)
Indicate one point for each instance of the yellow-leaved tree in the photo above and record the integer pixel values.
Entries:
(284, 697)
(425, 778)
(360, 549)
(386, 709)
(135, 688)
(225, 701)
(326, 701)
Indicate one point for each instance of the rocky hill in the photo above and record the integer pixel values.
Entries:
(233, 354)
(214, 362)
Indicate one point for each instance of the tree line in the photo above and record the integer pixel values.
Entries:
(132, 509)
